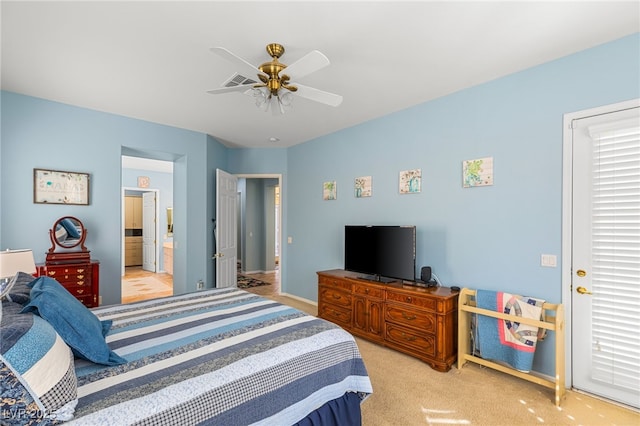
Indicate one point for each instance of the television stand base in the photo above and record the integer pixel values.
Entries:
(378, 279)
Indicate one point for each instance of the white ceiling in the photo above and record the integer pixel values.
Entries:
(151, 60)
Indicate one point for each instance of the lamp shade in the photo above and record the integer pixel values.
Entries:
(14, 261)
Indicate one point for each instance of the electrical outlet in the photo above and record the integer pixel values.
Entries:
(200, 285)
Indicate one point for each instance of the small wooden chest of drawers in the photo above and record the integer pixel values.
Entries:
(418, 321)
(82, 280)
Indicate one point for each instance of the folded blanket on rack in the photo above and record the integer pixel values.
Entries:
(504, 340)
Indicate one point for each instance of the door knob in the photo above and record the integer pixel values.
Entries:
(581, 273)
(583, 290)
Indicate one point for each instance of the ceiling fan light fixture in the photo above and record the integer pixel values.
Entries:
(286, 98)
(260, 96)
(276, 105)
(275, 90)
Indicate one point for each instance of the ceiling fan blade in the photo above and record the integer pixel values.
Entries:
(237, 88)
(311, 62)
(318, 95)
(243, 66)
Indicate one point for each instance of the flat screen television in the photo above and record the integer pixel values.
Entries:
(382, 253)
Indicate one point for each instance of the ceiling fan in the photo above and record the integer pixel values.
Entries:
(276, 91)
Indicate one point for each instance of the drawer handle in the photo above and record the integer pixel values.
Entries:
(80, 277)
(66, 277)
(408, 338)
(52, 273)
(366, 291)
(80, 270)
(408, 317)
(80, 291)
(80, 282)
(408, 299)
(337, 297)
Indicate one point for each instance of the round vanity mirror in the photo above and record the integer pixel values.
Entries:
(68, 232)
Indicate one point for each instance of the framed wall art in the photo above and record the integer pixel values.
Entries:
(60, 187)
(478, 172)
(410, 181)
(362, 187)
(330, 190)
(143, 181)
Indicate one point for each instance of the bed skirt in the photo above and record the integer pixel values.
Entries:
(343, 411)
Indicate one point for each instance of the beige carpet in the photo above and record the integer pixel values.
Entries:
(408, 392)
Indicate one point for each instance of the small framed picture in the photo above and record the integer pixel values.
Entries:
(60, 187)
(362, 187)
(478, 172)
(143, 181)
(410, 181)
(329, 191)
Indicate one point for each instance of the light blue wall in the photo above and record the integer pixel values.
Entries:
(41, 134)
(485, 237)
(488, 237)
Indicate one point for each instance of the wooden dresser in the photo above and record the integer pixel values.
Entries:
(82, 279)
(418, 321)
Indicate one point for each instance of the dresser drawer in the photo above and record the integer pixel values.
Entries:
(79, 291)
(367, 290)
(412, 299)
(55, 271)
(335, 282)
(88, 301)
(71, 275)
(424, 321)
(424, 343)
(335, 297)
(336, 314)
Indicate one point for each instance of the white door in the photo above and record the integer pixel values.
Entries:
(226, 229)
(605, 270)
(149, 231)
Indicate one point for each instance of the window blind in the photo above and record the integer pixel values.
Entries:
(615, 212)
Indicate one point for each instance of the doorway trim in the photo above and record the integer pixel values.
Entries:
(567, 215)
(278, 176)
(122, 220)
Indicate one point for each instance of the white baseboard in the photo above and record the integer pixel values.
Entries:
(302, 299)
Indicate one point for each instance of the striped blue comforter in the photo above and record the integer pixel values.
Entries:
(223, 356)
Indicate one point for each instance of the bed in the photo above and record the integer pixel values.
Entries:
(221, 356)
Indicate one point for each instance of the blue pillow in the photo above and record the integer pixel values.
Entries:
(70, 228)
(19, 291)
(29, 347)
(76, 324)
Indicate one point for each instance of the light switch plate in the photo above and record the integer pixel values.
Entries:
(549, 260)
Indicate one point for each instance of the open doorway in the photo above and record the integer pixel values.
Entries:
(259, 230)
(147, 229)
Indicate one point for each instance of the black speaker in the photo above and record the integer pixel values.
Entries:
(425, 274)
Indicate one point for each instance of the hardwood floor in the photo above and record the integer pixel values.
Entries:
(266, 290)
(138, 284)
